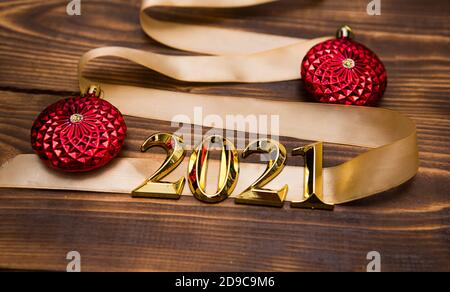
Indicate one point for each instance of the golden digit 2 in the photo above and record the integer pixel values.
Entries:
(152, 187)
(228, 173)
(256, 194)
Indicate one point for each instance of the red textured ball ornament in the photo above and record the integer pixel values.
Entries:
(343, 71)
(79, 134)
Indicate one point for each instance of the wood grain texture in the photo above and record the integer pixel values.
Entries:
(39, 49)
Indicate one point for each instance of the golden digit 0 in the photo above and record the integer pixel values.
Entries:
(198, 167)
(256, 194)
(152, 187)
(313, 180)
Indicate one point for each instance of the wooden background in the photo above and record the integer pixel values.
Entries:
(39, 49)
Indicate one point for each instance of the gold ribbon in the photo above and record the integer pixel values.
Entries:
(238, 56)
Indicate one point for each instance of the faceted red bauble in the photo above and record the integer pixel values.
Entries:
(79, 134)
(344, 72)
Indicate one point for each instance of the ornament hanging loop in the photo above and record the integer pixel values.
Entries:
(345, 31)
(95, 90)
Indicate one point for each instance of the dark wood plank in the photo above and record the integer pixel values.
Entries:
(114, 232)
(40, 42)
(410, 226)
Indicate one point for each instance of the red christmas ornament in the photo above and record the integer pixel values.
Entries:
(343, 71)
(79, 134)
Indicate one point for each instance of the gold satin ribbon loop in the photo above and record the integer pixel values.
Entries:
(270, 66)
(245, 57)
(210, 40)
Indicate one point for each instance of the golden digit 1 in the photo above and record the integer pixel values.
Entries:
(152, 187)
(228, 173)
(255, 194)
(313, 181)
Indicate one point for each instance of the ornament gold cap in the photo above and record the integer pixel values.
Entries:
(345, 31)
(76, 118)
(349, 63)
(96, 90)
